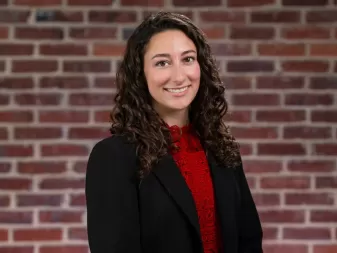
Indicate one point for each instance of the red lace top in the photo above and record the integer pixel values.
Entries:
(191, 159)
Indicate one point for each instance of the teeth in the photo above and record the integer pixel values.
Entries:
(177, 90)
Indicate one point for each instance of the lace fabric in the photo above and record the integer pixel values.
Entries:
(192, 162)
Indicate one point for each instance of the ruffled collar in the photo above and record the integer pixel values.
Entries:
(177, 132)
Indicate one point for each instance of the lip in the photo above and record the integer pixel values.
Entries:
(180, 94)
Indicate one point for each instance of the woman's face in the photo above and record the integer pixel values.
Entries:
(172, 71)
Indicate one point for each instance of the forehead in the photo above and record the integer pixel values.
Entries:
(170, 41)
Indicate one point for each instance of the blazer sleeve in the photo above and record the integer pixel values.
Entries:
(250, 229)
(112, 199)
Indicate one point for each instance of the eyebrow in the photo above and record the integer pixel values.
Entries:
(168, 55)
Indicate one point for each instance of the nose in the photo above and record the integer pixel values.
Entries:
(178, 75)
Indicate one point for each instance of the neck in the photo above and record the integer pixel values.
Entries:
(178, 118)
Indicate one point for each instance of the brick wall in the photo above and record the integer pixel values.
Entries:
(57, 59)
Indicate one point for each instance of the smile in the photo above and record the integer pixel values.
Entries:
(177, 90)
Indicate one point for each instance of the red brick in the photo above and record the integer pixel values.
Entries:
(290, 248)
(14, 16)
(26, 133)
(80, 167)
(2, 66)
(15, 49)
(231, 49)
(5, 167)
(267, 199)
(64, 249)
(63, 116)
(17, 83)
(252, 33)
(323, 49)
(77, 233)
(38, 2)
(64, 82)
(326, 16)
(38, 234)
(304, 3)
(309, 199)
(90, 2)
(87, 133)
(77, 200)
(39, 200)
(305, 32)
(260, 166)
(17, 249)
(63, 50)
(270, 233)
(38, 99)
(15, 150)
(285, 182)
(3, 32)
(15, 184)
(326, 182)
(255, 132)
(248, 3)
(311, 166)
(181, 3)
(84, 99)
(38, 33)
(279, 82)
(323, 82)
(308, 233)
(275, 16)
(323, 216)
(323, 116)
(41, 167)
(256, 99)
(31, 66)
(309, 99)
(331, 248)
(3, 235)
(64, 17)
(4, 99)
(3, 134)
(327, 149)
(102, 116)
(278, 216)
(16, 217)
(105, 82)
(63, 150)
(305, 66)
(186, 13)
(16, 116)
(60, 216)
(152, 3)
(237, 82)
(3, 2)
(214, 32)
(108, 49)
(86, 66)
(112, 16)
(281, 149)
(93, 33)
(307, 132)
(250, 66)
(284, 49)
(223, 16)
(246, 149)
(61, 183)
(239, 116)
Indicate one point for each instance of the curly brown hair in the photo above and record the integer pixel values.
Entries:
(134, 116)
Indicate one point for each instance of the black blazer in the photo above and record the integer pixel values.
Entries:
(158, 215)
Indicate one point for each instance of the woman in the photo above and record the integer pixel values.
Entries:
(170, 178)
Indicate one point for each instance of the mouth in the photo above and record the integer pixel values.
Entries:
(177, 90)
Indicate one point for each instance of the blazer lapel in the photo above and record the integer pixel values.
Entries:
(169, 175)
(226, 199)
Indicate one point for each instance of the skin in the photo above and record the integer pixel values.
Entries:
(170, 62)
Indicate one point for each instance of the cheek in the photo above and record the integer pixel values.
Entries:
(194, 72)
(157, 79)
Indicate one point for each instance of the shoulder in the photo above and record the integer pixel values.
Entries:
(115, 153)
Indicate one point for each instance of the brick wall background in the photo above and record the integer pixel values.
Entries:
(57, 60)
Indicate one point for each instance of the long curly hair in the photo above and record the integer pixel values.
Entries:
(134, 116)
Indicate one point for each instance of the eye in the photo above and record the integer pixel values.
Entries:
(189, 59)
(161, 63)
